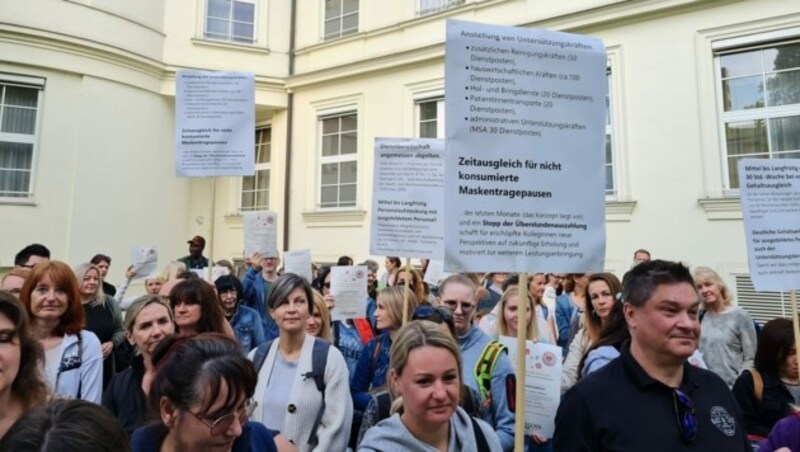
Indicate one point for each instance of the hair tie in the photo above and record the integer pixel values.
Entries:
(619, 296)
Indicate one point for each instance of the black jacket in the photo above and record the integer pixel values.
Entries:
(124, 396)
(759, 418)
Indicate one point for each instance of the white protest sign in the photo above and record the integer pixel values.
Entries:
(542, 384)
(298, 262)
(408, 198)
(770, 191)
(525, 123)
(435, 273)
(260, 233)
(144, 260)
(349, 291)
(214, 124)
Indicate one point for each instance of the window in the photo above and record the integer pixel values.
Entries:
(255, 188)
(231, 20)
(19, 113)
(609, 147)
(759, 103)
(430, 118)
(341, 18)
(434, 6)
(762, 306)
(339, 165)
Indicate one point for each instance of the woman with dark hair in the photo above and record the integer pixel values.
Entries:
(21, 385)
(66, 425)
(73, 360)
(197, 309)
(245, 321)
(287, 390)
(202, 393)
(766, 392)
(603, 293)
(103, 316)
(148, 321)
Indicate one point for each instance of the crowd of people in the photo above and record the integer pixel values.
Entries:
(660, 359)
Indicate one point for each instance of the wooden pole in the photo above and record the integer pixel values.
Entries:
(795, 321)
(407, 290)
(210, 275)
(522, 330)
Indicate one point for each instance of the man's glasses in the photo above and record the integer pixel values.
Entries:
(452, 305)
(220, 425)
(685, 415)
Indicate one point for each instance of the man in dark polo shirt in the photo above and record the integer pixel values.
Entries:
(650, 399)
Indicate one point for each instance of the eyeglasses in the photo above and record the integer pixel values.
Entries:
(452, 305)
(685, 415)
(433, 314)
(220, 425)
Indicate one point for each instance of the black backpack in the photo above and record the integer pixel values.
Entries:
(319, 359)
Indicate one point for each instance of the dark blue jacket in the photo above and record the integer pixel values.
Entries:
(255, 438)
(371, 370)
(255, 293)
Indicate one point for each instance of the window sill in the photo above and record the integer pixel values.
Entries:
(334, 218)
(17, 202)
(722, 208)
(619, 211)
(230, 45)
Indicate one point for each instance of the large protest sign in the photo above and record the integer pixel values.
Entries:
(525, 123)
(260, 233)
(214, 124)
(349, 291)
(408, 198)
(770, 191)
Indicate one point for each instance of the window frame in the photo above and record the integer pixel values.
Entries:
(342, 33)
(439, 115)
(443, 5)
(38, 84)
(615, 126)
(338, 159)
(258, 167)
(766, 113)
(230, 39)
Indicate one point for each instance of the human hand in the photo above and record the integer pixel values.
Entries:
(106, 348)
(130, 273)
(538, 439)
(330, 302)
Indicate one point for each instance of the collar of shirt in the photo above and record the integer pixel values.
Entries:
(639, 376)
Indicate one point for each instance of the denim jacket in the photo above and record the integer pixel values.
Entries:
(247, 327)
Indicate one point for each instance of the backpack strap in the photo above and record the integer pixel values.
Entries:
(384, 404)
(484, 369)
(319, 359)
(758, 384)
(80, 361)
(336, 326)
(480, 438)
(364, 328)
(261, 354)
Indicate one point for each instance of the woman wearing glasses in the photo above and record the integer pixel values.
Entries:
(202, 393)
(148, 321)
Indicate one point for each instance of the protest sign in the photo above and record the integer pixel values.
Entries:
(214, 124)
(299, 263)
(408, 198)
(770, 192)
(144, 260)
(349, 290)
(260, 233)
(525, 124)
(435, 273)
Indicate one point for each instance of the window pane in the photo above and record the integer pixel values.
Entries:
(243, 32)
(333, 8)
(247, 200)
(347, 193)
(219, 8)
(746, 137)
(350, 6)
(19, 120)
(23, 97)
(787, 155)
(733, 169)
(609, 179)
(328, 196)
(743, 93)
(349, 143)
(262, 200)
(348, 172)
(783, 88)
(349, 122)
(330, 145)
(264, 153)
(783, 57)
(427, 129)
(16, 155)
(248, 182)
(244, 12)
(219, 28)
(427, 110)
(350, 24)
(330, 174)
(332, 28)
(747, 63)
(14, 183)
(784, 134)
(608, 150)
(330, 125)
(262, 179)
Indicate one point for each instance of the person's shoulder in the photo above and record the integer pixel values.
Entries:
(601, 382)
(89, 339)
(707, 378)
(383, 435)
(260, 438)
(146, 438)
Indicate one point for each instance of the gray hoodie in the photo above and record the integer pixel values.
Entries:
(390, 435)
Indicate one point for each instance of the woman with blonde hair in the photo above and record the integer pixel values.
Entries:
(319, 322)
(728, 342)
(425, 378)
(103, 315)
